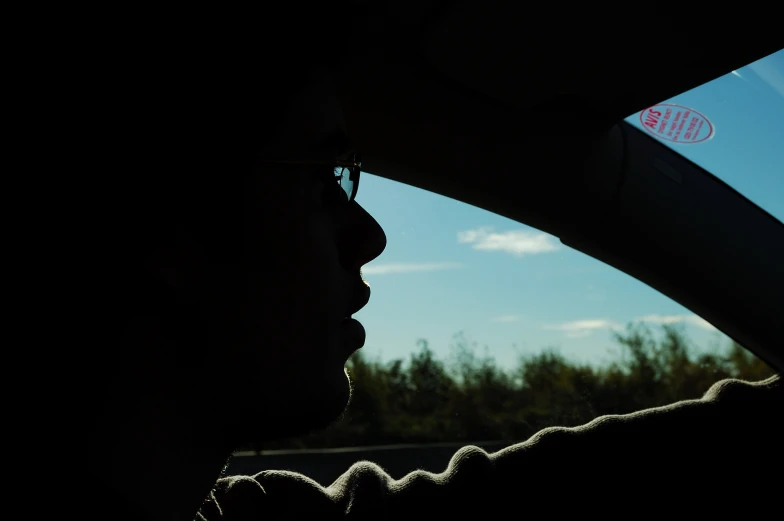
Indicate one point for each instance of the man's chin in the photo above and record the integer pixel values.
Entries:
(326, 405)
(297, 410)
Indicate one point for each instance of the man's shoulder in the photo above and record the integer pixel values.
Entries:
(727, 408)
(683, 446)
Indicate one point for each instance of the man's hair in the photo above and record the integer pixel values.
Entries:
(183, 118)
(168, 129)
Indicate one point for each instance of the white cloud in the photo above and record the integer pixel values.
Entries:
(516, 242)
(583, 328)
(385, 269)
(507, 318)
(677, 319)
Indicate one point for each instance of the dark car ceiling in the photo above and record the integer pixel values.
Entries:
(617, 61)
(616, 65)
(517, 114)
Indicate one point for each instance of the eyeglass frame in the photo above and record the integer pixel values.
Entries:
(354, 167)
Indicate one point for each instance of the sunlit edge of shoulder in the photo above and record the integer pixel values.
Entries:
(469, 456)
(724, 391)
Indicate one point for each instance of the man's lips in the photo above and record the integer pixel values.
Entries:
(352, 333)
(360, 298)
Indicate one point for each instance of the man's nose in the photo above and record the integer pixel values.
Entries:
(361, 238)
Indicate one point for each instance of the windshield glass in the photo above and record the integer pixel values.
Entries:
(733, 127)
(483, 330)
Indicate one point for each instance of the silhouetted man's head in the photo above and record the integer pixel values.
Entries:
(225, 277)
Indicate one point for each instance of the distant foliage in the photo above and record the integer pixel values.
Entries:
(425, 400)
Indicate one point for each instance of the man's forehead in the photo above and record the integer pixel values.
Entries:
(314, 124)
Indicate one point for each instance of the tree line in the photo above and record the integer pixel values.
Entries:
(469, 398)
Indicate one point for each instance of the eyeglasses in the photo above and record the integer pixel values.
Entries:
(346, 172)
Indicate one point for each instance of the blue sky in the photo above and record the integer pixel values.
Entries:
(452, 267)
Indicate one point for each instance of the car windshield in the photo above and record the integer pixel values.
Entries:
(484, 330)
(733, 127)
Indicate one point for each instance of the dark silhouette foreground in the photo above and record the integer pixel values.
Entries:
(686, 457)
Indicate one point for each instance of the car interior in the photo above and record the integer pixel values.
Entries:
(516, 111)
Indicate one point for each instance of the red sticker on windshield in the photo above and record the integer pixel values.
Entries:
(676, 123)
